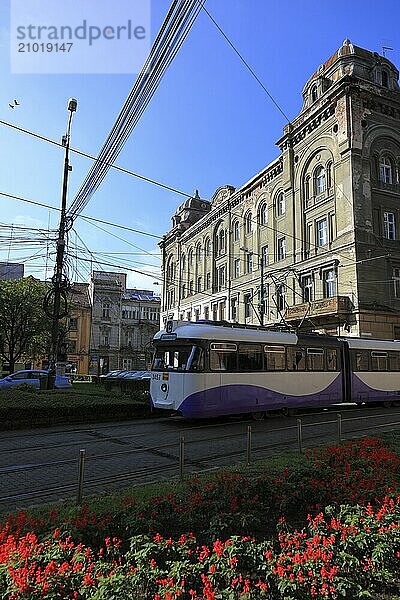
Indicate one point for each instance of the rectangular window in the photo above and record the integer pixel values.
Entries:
(332, 359)
(250, 357)
(308, 238)
(223, 357)
(264, 256)
(221, 278)
(379, 361)
(234, 309)
(307, 288)
(247, 305)
(73, 324)
(249, 262)
(329, 283)
(199, 284)
(394, 361)
(106, 310)
(208, 281)
(322, 232)
(236, 268)
(296, 359)
(189, 315)
(197, 314)
(275, 358)
(396, 282)
(281, 248)
(206, 313)
(315, 359)
(281, 298)
(360, 360)
(222, 308)
(389, 225)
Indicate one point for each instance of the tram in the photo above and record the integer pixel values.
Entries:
(209, 369)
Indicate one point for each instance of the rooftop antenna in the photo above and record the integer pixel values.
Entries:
(385, 49)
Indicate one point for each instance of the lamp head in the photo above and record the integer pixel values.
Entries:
(72, 104)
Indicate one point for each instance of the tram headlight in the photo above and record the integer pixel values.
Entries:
(164, 387)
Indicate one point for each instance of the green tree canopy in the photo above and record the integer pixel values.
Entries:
(24, 326)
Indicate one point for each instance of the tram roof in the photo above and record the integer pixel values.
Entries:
(207, 330)
(372, 344)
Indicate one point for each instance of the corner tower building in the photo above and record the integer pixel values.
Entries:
(313, 240)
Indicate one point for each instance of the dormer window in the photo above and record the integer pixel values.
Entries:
(385, 170)
(320, 180)
(385, 79)
(314, 93)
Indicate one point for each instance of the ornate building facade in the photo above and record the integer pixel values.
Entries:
(124, 322)
(313, 240)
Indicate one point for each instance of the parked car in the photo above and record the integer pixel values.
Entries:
(32, 377)
(112, 374)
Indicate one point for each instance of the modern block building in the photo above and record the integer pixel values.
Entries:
(313, 240)
(11, 271)
(124, 322)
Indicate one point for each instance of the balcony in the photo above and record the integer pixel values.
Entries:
(338, 305)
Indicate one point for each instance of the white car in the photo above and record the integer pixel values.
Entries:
(32, 377)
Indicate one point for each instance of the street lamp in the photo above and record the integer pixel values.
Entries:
(261, 292)
(59, 283)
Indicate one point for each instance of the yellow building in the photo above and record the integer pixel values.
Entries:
(78, 329)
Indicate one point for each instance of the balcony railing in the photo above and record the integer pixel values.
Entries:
(337, 305)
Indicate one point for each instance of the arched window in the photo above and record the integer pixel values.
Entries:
(183, 262)
(248, 222)
(263, 214)
(221, 241)
(190, 259)
(207, 248)
(307, 187)
(236, 231)
(170, 270)
(314, 93)
(385, 79)
(281, 204)
(320, 180)
(329, 175)
(385, 170)
(198, 252)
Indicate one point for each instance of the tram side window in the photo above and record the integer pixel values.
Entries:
(250, 357)
(172, 359)
(379, 361)
(315, 359)
(332, 359)
(296, 359)
(361, 360)
(223, 357)
(394, 361)
(275, 358)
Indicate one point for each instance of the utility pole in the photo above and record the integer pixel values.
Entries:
(261, 292)
(261, 306)
(59, 282)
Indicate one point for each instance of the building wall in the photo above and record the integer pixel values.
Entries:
(321, 208)
(78, 329)
(124, 322)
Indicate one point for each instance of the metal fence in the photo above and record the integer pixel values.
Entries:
(177, 458)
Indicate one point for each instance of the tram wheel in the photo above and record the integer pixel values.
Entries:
(258, 416)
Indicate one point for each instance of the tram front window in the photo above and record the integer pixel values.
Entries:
(178, 358)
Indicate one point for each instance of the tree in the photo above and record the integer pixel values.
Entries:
(24, 326)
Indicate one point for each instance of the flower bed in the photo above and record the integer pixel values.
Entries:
(140, 547)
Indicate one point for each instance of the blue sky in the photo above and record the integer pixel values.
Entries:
(209, 123)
